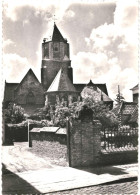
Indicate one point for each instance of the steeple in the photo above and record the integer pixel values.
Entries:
(57, 36)
(55, 54)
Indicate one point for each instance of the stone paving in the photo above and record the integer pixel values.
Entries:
(29, 174)
(118, 188)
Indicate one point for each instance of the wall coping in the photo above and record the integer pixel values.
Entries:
(55, 130)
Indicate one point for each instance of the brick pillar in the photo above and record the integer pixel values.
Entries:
(85, 142)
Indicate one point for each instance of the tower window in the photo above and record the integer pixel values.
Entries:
(56, 47)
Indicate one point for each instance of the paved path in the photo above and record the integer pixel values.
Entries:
(30, 174)
(18, 158)
(117, 188)
(58, 179)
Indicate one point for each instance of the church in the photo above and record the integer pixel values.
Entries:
(56, 79)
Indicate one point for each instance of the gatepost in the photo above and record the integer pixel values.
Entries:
(83, 141)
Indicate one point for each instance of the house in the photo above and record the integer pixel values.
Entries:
(129, 110)
(135, 91)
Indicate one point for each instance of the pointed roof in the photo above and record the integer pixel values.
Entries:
(103, 96)
(90, 83)
(102, 87)
(136, 87)
(61, 83)
(57, 36)
(30, 72)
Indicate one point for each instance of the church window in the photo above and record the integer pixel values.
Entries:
(30, 99)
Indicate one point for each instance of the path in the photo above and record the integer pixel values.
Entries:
(34, 175)
(18, 158)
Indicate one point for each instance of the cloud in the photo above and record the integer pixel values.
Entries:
(7, 43)
(69, 14)
(15, 67)
(113, 57)
(11, 7)
(104, 47)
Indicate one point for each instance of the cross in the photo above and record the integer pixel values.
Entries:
(54, 18)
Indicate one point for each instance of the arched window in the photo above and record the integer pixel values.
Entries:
(30, 99)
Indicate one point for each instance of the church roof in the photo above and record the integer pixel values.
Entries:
(104, 97)
(57, 36)
(9, 91)
(61, 83)
(11, 87)
(102, 87)
(31, 73)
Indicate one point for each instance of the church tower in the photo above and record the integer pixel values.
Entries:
(55, 55)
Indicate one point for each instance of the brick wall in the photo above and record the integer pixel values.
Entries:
(84, 142)
(85, 146)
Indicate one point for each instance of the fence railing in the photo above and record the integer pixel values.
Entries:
(114, 138)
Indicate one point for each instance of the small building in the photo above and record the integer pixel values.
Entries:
(135, 91)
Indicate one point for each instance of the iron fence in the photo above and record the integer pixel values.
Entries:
(114, 138)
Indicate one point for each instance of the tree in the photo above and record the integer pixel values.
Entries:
(119, 97)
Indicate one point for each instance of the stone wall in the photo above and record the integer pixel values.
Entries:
(52, 145)
(85, 144)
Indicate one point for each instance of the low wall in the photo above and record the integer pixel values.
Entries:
(50, 144)
(120, 157)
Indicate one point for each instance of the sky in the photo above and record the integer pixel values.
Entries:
(103, 38)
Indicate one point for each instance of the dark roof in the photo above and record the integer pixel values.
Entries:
(102, 87)
(127, 111)
(134, 116)
(79, 87)
(30, 72)
(136, 87)
(57, 36)
(61, 83)
(9, 91)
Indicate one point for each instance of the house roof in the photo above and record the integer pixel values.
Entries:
(57, 36)
(102, 87)
(134, 115)
(61, 83)
(136, 87)
(128, 111)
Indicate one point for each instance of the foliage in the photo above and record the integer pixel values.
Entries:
(14, 114)
(108, 119)
(91, 100)
(41, 114)
(60, 115)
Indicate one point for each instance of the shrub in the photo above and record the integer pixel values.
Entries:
(41, 114)
(14, 114)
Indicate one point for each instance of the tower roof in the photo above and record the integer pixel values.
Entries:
(61, 83)
(57, 36)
